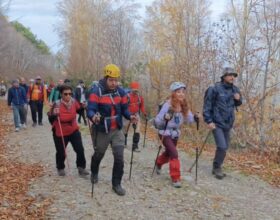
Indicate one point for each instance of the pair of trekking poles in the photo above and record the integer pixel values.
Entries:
(197, 151)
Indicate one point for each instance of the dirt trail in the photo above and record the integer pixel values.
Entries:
(235, 197)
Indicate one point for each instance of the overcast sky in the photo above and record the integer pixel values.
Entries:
(41, 16)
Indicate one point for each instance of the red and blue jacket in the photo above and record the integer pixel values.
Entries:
(110, 104)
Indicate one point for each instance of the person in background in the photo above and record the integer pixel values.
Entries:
(17, 102)
(55, 93)
(80, 96)
(3, 88)
(23, 84)
(37, 95)
(135, 106)
(50, 87)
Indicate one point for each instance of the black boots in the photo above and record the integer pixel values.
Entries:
(218, 162)
(119, 190)
(218, 173)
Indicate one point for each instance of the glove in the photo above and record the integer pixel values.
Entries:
(56, 111)
(96, 118)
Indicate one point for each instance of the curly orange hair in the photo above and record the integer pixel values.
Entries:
(183, 104)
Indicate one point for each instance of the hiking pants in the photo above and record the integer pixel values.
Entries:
(222, 139)
(36, 107)
(19, 115)
(170, 155)
(81, 114)
(76, 140)
(102, 141)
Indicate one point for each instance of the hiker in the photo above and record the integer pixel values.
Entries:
(64, 126)
(174, 112)
(17, 102)
(3, 88)
(80, 96)
(55, 93)
(107, 104)
(50, 88)
(135, 106)
(220, 102)
(93, 84)
(23, 84)
(37, 94)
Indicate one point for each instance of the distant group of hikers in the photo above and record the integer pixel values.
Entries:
(103, 108)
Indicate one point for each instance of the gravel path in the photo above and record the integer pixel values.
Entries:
(235, 197)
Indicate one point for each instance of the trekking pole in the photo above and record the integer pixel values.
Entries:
(200, 151)
(146, 123)
(63, 142)
(196, 162)
(196, 119)
(131, 159)
(94, 145)
(125, 135)
(91, 137)
(160, 146)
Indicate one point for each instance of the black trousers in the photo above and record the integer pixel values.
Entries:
(76, 140)
(81, 113)
(36, 107)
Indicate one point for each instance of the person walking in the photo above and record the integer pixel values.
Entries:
(65, 129)
(17, 102)
(106, 106)
(37, 94)
(135, 106)
(80, 96)
(220, 102)
(55, 92)
(174, 112)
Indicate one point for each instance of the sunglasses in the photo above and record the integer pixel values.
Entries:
(66, 94)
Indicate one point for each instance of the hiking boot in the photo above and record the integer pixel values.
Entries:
(82, 171)
(119, 190)
(94, 178)
(34, 124)
(218, 173)
(17, 129)
(136, 149)
(177, 184)
(158, 169)
(61, 172)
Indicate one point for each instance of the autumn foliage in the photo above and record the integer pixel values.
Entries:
(15, 177)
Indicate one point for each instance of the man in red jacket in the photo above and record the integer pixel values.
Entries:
(135, 106)
(65, 129)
